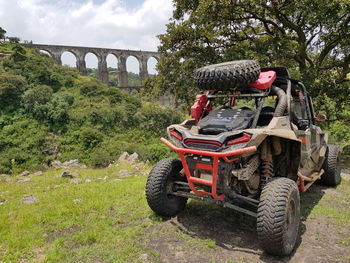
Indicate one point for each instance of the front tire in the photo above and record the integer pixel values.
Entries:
(159, 184)
(279, 216)
(331, 166)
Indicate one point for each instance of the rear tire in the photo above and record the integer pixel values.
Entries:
(159, 184)
(279, 216)
(228, 75)
(331, 166)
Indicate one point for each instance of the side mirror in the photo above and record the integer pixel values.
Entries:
(321, 117)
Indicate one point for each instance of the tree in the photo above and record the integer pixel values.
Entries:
(311, 37)
(14, 40)
(2, 33)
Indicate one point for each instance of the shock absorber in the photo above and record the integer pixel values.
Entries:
(266, 166)
(266, 169)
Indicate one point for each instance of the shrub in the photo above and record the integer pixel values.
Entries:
(155, 118)
(114, 95)
(22, 139)
(101, 158)
(39, 95)
(90, 87)
(157, 152)
(57, 111)
(11, 89)
(90, 137)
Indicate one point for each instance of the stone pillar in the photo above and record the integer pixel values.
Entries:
(143, 70)
(81, 64)
(57, 57)
(122, 73)
(102, 69)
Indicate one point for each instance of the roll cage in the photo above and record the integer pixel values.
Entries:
(299, 103)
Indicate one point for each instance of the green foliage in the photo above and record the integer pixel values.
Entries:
(36, 96)
(340, 132)
(338, 119)
(51, 112)
(90, 86)
(11, 89)
(45, 106)
(14, 40)
(133, 78)
(151, 116)
(21, 142)
(157, 152)
(2, 33)
(19, 53)
(90, 137)
(310, 36)
(38, 69)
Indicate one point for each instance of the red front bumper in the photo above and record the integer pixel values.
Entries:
(214, 168)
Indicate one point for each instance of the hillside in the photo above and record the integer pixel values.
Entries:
(51, 112)
(133, 78)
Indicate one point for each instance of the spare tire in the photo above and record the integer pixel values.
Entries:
(228, 75)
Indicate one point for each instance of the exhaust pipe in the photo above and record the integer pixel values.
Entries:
(282, 101)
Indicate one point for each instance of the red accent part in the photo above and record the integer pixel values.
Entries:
(204, 166)
(200, 104)
(301, 183)
(245, 138)
(301, 96)
(265, 80)
(203, 141)
(233, 101)
(215, 155)
(230, 160)
(303, 140)
(175, 134)
(200, 181)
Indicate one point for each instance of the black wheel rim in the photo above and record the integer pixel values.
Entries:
(170, 188)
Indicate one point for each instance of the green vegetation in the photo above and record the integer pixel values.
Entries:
(310, 37)
(2, 33)
(51, 112)
(133, 78)
(59, 229)
(86, 225)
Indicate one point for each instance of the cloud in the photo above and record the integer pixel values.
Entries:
(109, 23)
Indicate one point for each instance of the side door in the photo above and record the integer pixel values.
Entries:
(319, 142)
(308, 133)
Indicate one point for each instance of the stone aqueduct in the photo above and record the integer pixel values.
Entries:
(56, 52)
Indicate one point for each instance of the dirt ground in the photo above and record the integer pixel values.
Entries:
(207, 233)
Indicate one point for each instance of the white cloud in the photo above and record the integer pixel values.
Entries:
(106, 24)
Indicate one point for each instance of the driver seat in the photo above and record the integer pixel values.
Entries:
(266, 116)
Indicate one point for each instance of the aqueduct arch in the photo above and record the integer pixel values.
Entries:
(101, 53)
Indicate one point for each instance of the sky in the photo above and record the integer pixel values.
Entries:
(123, 24)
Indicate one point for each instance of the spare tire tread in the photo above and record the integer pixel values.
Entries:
(227, 75)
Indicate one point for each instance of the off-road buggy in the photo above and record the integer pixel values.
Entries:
(254, 154)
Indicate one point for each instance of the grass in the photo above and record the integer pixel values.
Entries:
(101, 217)
(333, 206)
(105, 226)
